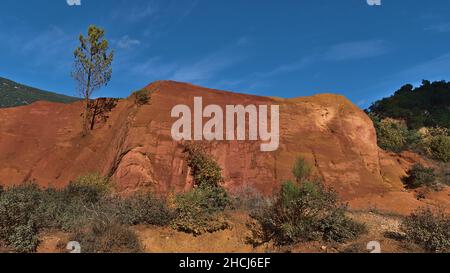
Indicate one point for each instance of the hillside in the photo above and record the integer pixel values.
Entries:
(424, 106)
(14, 94)
(133, 147)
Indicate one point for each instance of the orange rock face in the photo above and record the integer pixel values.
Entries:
(134, 147)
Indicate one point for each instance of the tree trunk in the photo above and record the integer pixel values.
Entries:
(87, 96)
(86, 117)
(94, 114)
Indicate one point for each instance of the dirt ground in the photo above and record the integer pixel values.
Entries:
(167, 240)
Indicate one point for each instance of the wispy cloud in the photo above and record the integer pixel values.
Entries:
(442, 28)
(154, 67)
(340, 52)
(203, 70)
(356, 50)
(348, 51)
(125, 42)
(132, 12)
(50, 46)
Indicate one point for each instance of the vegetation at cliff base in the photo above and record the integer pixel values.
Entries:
(84, 208)
(428, 229)
(303, 211)
(201, 209)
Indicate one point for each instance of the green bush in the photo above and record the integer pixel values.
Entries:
(420, 176)
(92, 181)
(24, 238)
(142, 97)
(139, 209)
(392, 135)
(435, 143)
(25, 210)
(17, 217)
(429, 230)
(301, 170)
(440, 148)
(204, 169)
(199, 211)
(104, 236)
(302, 213)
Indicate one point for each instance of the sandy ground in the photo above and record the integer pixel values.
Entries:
(167, 240)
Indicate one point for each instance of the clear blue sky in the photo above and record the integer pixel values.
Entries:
(286, 48)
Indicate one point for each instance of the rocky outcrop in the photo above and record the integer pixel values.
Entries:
(134, 147)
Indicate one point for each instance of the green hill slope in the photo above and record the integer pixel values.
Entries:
(427, 105)
(14, 94)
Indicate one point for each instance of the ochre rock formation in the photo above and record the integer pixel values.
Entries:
(42, 142)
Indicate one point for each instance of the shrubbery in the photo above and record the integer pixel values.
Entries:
(204, 169)
(139, 209)
(435, 143)
(303, 211)
(420, 176)
(105, 236)
(429, 230)
(424, 106)
(301, 169)
(393, 135)
(87, 208)
(142, 97)
(200, 210)
(25, 210)
(18, 221)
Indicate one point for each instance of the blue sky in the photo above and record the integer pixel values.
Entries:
(286, 48)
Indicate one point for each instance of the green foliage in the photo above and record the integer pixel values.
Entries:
(435, 143)
(138, 209)
(93, 181)
(392, 135)
(204, 169)
(199, 211)
(429, 230)
(104, 236)
(301, 169)
(142, 97)
(301, 212)
(439, 148)
(425, 106)
(24, 238)
(17, 221)
(25, 210)
(420, 176)
(13, 94)
(93, 62)
(93, 67)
